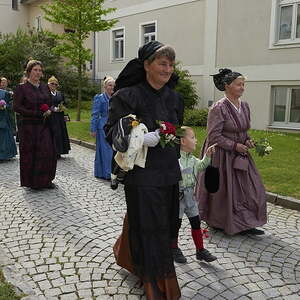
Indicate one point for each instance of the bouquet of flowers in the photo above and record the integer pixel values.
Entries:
(169, 134)
(263, 147)
(2, 104)
(44, 107)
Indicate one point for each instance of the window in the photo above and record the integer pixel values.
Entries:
(148, 32)
(288, 22)
(14, 4)
(286, 106)
(118, 44)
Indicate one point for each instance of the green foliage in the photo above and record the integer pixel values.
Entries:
(186, 87)
(80, 17)
(15, 49)
(195, 117)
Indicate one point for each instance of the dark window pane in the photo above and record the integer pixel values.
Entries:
(149, 28)
(286, 15)
(280, 94)
(298, 23)
(295, 106)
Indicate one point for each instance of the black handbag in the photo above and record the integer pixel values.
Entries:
(121, 134)
(212, 179)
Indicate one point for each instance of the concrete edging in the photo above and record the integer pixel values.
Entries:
(284, 201)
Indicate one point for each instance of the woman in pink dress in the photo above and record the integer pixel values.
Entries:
(239, 206)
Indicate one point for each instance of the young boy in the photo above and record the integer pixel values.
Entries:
(190, 166)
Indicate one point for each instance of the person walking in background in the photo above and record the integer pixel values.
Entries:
(190, 167)
(239, 206)
(8, 147)
(145, 88)
(32, 100)
(62, 143)
(11, 113)
(103, 158)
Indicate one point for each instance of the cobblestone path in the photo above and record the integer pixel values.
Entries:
(60, 243)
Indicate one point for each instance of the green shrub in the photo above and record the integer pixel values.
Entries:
(195, 117)
(186, 87)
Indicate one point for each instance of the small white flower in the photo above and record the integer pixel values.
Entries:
(268, 149)
(164, 127)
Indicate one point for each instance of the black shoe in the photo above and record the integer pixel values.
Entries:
(51, 186)
(178, 256)
(114, 184)
(253, 231)
(205, 255)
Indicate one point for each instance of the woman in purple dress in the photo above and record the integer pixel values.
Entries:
(32, 101)
(239, 206)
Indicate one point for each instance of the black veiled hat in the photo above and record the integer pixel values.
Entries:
(134, 71)
(148, 49)
(225, 76)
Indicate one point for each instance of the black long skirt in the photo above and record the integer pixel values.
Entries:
(61, 136)
(152, 223)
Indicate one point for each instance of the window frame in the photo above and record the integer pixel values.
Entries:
(15, 4)
(275, 42)
(112, 44)
(286, 123)
(142, 32)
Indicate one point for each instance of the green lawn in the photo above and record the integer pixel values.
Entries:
(280, 170)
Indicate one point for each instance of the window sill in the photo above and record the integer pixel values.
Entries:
(284, 45)
(117, 60)
(282, 127)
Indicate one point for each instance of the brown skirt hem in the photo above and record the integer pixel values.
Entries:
(168, 287)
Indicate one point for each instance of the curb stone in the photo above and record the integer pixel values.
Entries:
(12, 276)
(284, 201)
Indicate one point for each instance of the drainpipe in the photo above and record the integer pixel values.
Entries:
(94, 56)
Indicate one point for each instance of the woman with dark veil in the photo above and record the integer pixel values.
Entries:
(145, 88)
(239, 206)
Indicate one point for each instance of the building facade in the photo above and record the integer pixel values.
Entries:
(259, 38)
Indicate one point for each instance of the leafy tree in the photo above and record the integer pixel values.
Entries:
(80, 17)
(186, 87)
(15, 49)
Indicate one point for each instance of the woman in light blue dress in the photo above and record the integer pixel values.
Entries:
(102, 166)
(8, 147)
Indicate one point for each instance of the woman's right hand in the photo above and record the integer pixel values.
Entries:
(47, 113)
(241, 148)
(93, 134)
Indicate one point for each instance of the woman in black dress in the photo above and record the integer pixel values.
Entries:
(145, 88)
(62, 142)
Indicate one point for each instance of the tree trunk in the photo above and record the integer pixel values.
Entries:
(79, 91)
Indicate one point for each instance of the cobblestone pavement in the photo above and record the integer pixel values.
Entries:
(59, 244)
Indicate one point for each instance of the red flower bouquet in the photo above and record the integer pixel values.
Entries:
(44, 107)
(169, 134)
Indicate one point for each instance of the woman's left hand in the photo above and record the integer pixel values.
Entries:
(250, 144)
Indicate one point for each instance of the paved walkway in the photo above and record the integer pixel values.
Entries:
(59, 244)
